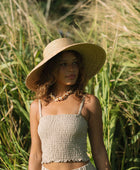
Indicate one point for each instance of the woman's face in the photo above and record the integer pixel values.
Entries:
(68, 69)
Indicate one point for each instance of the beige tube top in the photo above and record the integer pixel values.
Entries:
(63, 137)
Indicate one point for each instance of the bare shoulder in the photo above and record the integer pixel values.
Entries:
(34, 109)
(92, 103)
(91, 99)
(34, 104)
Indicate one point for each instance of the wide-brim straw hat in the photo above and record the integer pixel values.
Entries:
(93, 59)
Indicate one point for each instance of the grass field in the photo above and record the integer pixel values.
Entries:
(25, 30)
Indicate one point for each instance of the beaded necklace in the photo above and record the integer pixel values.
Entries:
(65, 95)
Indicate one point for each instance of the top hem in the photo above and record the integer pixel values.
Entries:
(64, 161)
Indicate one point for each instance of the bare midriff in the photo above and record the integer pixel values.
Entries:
(64, 165)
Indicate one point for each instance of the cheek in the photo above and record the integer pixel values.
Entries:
(60, 74)
(55, 73)
(77, 70)
(61, 71)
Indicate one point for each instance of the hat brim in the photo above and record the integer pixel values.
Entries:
(93, 58)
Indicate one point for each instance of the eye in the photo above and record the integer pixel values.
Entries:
(75, 63)
(63, 64)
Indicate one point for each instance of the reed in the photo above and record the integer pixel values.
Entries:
(24, 32)
(117, 85)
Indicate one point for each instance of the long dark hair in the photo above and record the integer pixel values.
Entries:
(47, 79)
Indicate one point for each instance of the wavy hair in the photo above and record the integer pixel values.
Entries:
(47, 80)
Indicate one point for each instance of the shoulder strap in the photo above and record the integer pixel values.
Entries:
(40, 112)
(81, 106)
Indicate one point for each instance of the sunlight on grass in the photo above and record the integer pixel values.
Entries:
(24, 32)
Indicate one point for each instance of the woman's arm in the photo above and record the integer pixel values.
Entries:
(35, 153)
(96, 134)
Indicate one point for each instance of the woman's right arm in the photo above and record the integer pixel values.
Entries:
(35, 153)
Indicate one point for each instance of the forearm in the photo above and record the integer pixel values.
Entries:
(34, 162)
(101, 160)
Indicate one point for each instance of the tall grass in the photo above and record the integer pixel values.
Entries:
(115, 25)
(24, 32)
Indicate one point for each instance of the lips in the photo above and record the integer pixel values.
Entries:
(71, 76)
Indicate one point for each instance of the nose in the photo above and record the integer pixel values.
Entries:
(70, 67)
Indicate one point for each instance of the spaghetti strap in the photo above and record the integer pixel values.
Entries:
(81, 106)
(40, 112)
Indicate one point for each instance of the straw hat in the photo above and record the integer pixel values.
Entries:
(93, 58)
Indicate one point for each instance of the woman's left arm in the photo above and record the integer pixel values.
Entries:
(96, 134)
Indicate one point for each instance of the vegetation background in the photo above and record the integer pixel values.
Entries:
(26, 26)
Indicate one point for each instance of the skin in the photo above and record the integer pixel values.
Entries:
(91, 111)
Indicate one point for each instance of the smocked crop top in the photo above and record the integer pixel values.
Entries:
(63, 137)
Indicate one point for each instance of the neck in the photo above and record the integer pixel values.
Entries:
(59, 91)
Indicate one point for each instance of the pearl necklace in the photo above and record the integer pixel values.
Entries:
(57, 99)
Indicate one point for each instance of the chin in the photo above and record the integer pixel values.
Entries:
(70, 83)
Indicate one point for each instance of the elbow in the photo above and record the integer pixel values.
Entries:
(35, 157)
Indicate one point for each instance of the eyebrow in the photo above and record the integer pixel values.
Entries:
(64, 60)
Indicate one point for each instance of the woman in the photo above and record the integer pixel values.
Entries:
(62, 114)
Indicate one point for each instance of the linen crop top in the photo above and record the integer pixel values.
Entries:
(63, 137)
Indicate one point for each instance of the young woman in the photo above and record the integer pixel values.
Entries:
(62, 115)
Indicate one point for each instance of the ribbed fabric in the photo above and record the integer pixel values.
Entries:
(63, 137)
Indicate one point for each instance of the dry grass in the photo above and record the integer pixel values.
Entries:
(24, 32)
